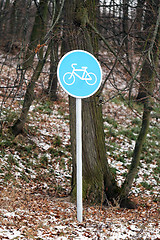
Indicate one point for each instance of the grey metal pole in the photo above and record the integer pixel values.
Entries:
(79, 157)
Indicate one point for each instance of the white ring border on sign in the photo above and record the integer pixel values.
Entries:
(68, 53)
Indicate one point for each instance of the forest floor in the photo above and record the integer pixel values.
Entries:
(35, 172)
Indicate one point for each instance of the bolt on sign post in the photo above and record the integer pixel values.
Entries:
(80, 75)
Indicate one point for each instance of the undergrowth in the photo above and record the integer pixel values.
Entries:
(120, 142)
(21, 157)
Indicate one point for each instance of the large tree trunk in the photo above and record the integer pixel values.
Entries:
(96, 173)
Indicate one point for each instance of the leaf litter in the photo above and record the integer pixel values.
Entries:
(36, 177)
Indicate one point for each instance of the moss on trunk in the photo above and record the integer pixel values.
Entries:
(96, 172)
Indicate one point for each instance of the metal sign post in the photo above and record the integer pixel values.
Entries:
(79, 157)
(80, 75)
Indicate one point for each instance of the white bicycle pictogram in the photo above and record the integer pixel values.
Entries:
(70, 77)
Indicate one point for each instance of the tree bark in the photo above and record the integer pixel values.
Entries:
(29, 96)
(125, 25)
(148, 78)
(52, 84)
(146, 81)
(4, 7)
(96, 173)
(139, 24)
(18, 126)
(37, 34)
(136, 155)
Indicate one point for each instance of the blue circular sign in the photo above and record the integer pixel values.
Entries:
(79, 73)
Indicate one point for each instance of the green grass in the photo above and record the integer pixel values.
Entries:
(157, 169)
(44, 161)
(57, 141)
(136, 121)
(9, 115)
(32, 158)
(111, 121)
(44, 107)
(147, 186)
(12, 161)
(114, 131)
(128, 133)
